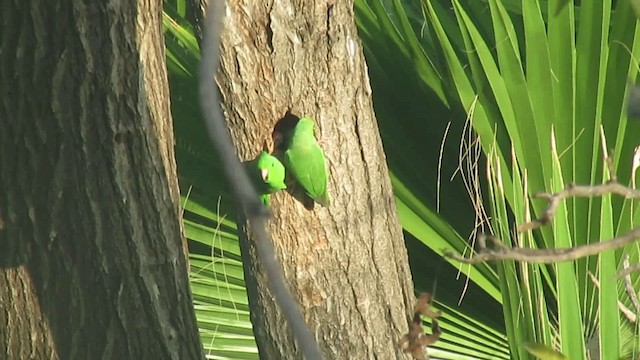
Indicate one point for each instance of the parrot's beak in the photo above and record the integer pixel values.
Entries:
(265, 174)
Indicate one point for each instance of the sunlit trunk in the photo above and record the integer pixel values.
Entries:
(347, 263)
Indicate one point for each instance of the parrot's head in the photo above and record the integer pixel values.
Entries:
(271, 171)
(306, 124)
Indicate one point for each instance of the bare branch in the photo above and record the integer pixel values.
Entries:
(572, 190)
(541, 256)
(499, 251)
(245, 195)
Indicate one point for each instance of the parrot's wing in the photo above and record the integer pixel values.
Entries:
(307, 166)
(319, 179)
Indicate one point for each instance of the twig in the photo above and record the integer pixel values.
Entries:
(575, 191)
(246, 196)
(572, 190)
(631, 292)
(627, 271)
(547, 256)
(623, 309)
(541, 256)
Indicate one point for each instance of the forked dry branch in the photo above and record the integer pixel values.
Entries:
(498, 251)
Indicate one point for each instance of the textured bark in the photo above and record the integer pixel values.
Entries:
(346, 264)
(91, 258)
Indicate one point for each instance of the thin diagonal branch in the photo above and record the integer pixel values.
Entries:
(628, 285)
(628, 270)
(245, 195)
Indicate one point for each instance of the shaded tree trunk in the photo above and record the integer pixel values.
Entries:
(346, 264)
(91, 251)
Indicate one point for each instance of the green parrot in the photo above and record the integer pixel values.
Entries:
(305, 162)
(267, 174)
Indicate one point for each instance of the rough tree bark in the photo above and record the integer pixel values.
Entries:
(346, 264)
(91, 256)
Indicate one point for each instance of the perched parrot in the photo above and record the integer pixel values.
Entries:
(267, 174)
(305, 162)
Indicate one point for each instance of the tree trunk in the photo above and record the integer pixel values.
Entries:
(346, 264)
(91, 256)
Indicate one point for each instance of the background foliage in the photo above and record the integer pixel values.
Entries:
(480, 105)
